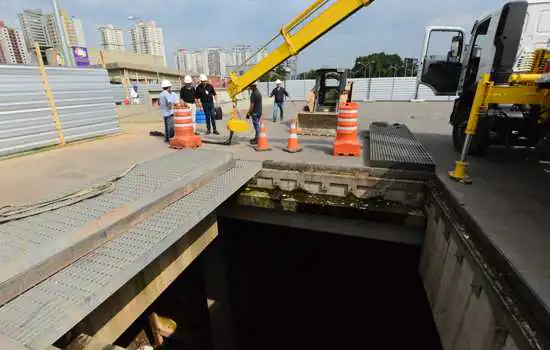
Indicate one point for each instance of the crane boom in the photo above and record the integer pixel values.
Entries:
(297, 35)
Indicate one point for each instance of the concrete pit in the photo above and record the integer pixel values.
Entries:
(321, 257)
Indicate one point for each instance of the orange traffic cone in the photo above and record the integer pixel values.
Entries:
(263, 144)
(293, 145)
(347, 142)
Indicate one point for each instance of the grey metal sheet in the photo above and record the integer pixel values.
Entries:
(395, 147)
(41, 315)
(85, 102)
(25, 115)
(381, 89)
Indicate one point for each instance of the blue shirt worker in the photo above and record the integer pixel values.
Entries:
(255, 111)
(166, 103)
(279, 93)
(204, 95)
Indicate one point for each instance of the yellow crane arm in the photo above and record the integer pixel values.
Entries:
(295, 42)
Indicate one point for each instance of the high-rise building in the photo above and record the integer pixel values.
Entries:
(112, 38)
(2, 58)
(75, 32)
(41, 28)
(186, 62)
(12, 44)
(148, 39)
(33, 25)
(52, 34)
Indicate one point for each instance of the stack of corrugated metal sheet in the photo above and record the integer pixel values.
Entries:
(84, 101)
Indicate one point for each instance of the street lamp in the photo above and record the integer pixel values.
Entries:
(394, 68)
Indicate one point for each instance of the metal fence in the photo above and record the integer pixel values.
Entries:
(364, 89)
(83, 97)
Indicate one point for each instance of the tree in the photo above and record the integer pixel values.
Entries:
(384, 65)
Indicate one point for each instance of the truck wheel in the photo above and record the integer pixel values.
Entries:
(480, 142)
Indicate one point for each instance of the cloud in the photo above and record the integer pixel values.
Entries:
(387, 25)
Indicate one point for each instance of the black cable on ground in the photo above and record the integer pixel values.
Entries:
(16, 212)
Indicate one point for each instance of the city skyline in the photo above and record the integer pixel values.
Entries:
(376, 29)
(215, 60)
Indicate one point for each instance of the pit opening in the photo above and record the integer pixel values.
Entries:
(295, 269)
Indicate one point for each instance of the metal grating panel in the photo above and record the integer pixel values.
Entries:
(395, 147)
(41, 315)
(26, 239)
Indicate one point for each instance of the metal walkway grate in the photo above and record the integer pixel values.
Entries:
(395, 147)
(41, 315)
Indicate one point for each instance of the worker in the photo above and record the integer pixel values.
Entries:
(279, 93)
(187, 95)
(255, 111)
(204, 97)
(166, 104)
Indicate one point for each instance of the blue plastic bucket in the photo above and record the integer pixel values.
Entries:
(200, 117)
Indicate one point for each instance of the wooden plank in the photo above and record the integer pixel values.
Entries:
(110, 320)
(49, 95)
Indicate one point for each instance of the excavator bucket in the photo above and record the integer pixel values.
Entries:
(317, 123)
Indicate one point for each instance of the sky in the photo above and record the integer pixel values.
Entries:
(391, 26)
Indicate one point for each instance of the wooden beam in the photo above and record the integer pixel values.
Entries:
(49, 94)
(110, 320)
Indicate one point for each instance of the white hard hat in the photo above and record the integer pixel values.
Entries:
(187, 79)
(165, 84)
(203, 77)
(278, 81)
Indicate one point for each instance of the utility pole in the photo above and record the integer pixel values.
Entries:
(63, 35)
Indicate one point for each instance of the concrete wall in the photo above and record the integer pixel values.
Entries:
(463, 304)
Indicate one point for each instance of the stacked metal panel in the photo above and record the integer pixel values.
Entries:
(25, 115)
(84, 101)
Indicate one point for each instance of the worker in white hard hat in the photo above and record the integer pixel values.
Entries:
(166, 104)
(279, 94)
(204, 97)
(187, 96)
(255, 111)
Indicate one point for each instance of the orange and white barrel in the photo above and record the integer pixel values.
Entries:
(347, 142)
(183, 124)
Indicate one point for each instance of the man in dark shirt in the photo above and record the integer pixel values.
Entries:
(255, 111)
(279, 93)
(204, 96)
(187, 95)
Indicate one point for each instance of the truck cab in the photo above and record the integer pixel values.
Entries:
(500, 44)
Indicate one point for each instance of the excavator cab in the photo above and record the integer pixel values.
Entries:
(330, 84)
(320, 114)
